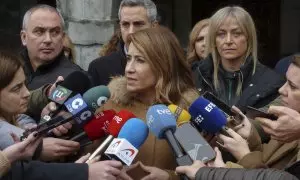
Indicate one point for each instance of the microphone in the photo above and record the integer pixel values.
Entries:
(207, 116)
(76, 82)
(125, 148)
(113, 130)
(181, 115)
(162, 124)
(89, 97)
(189, 138)
(77, 109)
(97, 127)
(96, 97)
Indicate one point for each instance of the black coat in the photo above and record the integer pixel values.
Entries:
(47, 73)
(244, 174)
(103, 68)
(35, 170)
(258, 89)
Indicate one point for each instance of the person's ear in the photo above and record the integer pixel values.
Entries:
(23, 37)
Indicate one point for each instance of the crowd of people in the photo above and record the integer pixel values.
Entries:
(142, 65)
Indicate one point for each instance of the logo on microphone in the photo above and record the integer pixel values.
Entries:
(60, 94)
(210, 107)
(127, 152)
(164, 111)
(118, 119)
(116, 144)
(77, 103)
(85, 115)
(199, 119)
(101, 100)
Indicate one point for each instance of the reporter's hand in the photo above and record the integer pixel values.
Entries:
(22, 150)
(235, 144)
(124, 175)
(286, 128)
(105, 170)
(218, 162)
(244, 128)
(54, 148)
(155, 173)
(190, 171)
(50, 107)
(53, 86)
(62, 129)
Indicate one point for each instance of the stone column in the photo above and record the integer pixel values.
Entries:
(90, 24)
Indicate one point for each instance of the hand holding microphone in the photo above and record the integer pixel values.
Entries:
(54, 148)
(113, 130)
(244, 128)
(162, 124)
(192, 170)
(235, 144)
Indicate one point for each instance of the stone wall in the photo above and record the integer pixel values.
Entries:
(90, 24)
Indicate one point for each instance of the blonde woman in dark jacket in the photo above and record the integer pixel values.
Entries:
(232, 70)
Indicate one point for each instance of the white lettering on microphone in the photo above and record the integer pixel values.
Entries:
(164, 111)
(118, 119)
(210, 107)
(199, 119)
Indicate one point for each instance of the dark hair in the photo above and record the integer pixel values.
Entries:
(9, 65)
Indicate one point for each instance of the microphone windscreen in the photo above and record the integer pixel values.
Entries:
(97, 127)
(96, 97)
(135, 131)
(77, 82)
(181, 115)
(207, 116)
(159, 119)
(118, 121)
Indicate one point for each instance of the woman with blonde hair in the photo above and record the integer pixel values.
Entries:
(232, 70)
(156, 72)
(197, 44)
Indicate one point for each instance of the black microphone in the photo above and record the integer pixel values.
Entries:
(78, 110)
(75, 83)
(189, 138)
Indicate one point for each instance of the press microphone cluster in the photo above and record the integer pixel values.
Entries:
(189, 138)
(97, 127)
(80, 108)
(113, 130)
(162, 123)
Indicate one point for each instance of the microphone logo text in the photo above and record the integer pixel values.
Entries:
(210, 107)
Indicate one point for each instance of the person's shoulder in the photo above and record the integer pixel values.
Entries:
(113, 57)
(266, 71)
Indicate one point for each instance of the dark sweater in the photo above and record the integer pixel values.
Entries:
(47, 73)
(258, 89)
(105, 67)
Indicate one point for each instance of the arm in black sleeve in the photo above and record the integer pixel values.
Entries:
(206, 173)
(36, 170)
(93, 72)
